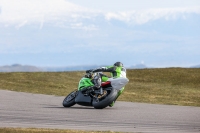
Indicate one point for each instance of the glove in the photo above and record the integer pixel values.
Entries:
(90, 89)
(88, 71)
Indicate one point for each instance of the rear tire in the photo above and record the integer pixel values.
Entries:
(70, 99)
(103, 103)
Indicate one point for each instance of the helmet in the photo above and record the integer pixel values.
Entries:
(119, 64)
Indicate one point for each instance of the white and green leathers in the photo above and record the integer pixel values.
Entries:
(115, 71)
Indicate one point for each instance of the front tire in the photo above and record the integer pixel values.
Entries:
(102, 103)
(70, 99)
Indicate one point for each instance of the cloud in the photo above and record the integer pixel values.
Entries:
(36, 10)
(129, 5)
(142, 17)
(62, 12)
(84, 27)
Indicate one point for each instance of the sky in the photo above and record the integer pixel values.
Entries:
(75, 32)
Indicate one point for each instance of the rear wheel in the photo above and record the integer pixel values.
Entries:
(70, 99)
(108, 97)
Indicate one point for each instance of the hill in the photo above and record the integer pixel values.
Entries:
(29, 68)
(19, 68)
(196, 66)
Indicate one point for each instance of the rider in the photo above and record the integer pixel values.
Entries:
(117, 70)
(89, 82)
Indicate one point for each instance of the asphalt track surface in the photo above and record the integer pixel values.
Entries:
(18, 109)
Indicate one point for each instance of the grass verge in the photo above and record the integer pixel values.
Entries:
(35, 130)
(174, 86)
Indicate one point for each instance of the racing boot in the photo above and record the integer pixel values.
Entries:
(119, 93)
(112, 104)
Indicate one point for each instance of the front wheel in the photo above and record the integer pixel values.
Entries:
(106, 100)
(70, 99)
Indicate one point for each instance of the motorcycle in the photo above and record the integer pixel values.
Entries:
(98, 98)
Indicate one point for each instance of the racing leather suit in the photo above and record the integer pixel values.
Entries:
(115, 72)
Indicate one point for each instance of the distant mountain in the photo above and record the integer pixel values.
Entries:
(197, 66)
(19, 68)
(28, 68)
(70, 68)
(61, 32)
(138, 66)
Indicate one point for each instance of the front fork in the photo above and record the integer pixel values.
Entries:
(97, 92)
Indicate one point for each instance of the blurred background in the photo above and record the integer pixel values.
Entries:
(58, 35)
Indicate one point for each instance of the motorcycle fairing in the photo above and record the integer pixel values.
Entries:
(118, 83)
(82, 99)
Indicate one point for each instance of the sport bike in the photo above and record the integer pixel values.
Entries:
(98, 98)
